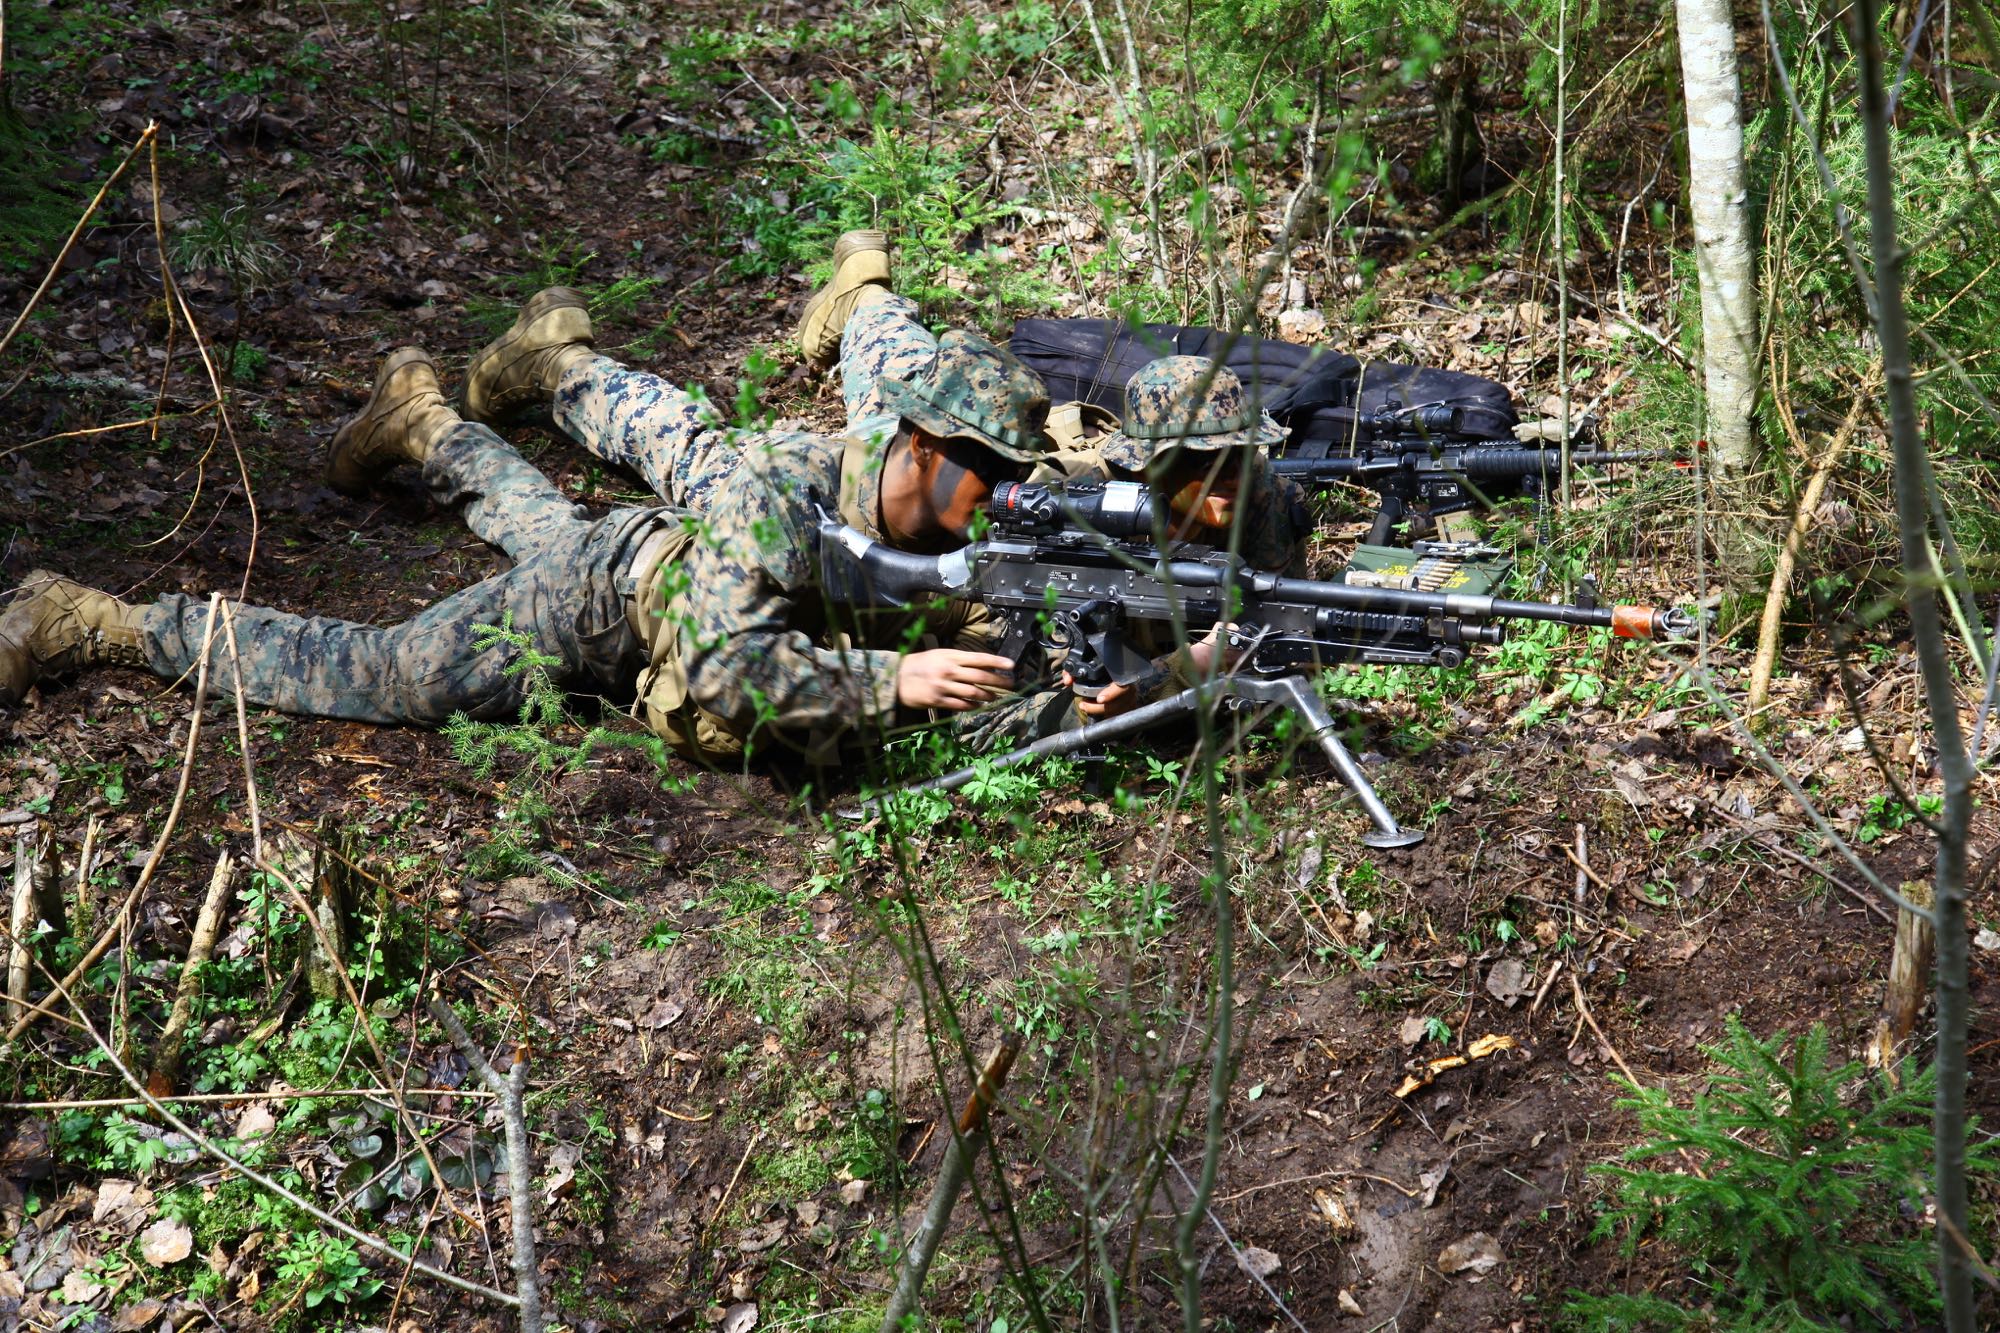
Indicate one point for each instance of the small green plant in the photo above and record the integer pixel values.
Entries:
(539, 738)
(1800, 1210)
(228, 239)
(247, 362)
(325, 1266)
(1885, 813)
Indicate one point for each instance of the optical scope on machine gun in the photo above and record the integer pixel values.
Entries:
(1074, 571)
(1407, 456)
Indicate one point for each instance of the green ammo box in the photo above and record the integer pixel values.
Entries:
(1471, 568)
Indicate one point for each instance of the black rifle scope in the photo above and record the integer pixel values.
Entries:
(1114, 508)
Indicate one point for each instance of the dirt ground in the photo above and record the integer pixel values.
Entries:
(714, 1028)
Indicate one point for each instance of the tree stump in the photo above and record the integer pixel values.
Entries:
(1909, 980)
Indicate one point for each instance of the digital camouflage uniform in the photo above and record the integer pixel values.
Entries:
(563, 592)
(679, 443)
(754, 652)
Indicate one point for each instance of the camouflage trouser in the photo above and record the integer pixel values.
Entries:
(883, 339)
(565, 592)
(676, 441)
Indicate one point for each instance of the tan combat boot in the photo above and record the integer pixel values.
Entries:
(523, 365)
(398, 424)
(55, 626)
(860, 276)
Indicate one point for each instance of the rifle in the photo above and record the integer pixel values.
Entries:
(1074, 570)
(1402, 454)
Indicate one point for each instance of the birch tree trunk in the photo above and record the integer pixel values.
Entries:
(1719, 200)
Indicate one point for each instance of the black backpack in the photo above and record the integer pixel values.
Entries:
(1329, 402)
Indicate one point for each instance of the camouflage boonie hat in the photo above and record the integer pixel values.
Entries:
(1163, 413)
(976, 391)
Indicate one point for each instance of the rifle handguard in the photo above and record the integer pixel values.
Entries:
(1645, 622)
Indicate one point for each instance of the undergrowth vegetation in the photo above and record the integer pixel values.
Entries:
(1793, 1184)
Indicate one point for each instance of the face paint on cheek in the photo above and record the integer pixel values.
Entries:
(945, 484)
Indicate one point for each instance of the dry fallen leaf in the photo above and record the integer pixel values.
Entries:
(1257, 1262)
(1508, 981)
(121, 1203)
(739, 1318)
(1348, 1305)
(166, 1242)
(1334, 1210)
(1478, 1254)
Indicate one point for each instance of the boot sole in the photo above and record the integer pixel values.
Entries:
(849, 245)
(342, 473)
(569, 316)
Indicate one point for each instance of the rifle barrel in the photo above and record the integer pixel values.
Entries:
(1630, 622)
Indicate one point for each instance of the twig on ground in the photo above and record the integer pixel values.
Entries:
(167, 1051)
(1781, 573)
(509, 1089)
(243, 736)
(86, 892)
(1582, 859)
(719, 136)
(1336, 1174)
(736, 1175)
(1583, 1010)
(1542, 994)
(116, 927)
(21, 924)
(1583, 871)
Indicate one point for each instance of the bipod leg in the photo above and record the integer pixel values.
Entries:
(1062, 742)
(1296, 693)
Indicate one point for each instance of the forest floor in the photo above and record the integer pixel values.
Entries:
(735, 1081)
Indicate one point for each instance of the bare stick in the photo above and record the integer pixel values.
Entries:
(1788, 557)
(243, 736)
(1236, 1253)
(146, 136)
(205, 1144)
(21, 924)
(117, 925)
(1584, 1009)
(737, 1175)
(361, 1018)
(520, 1164)
(1583, 875)
(86, 894)
(957, 1165)
(207, 926)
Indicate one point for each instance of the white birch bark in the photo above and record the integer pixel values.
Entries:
(1719, 200)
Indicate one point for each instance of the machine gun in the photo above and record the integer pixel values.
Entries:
(1418, 461)
(1074, 571)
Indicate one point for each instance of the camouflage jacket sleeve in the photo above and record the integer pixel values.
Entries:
(752, 583)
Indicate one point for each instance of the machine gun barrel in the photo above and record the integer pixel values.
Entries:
(1629, 622)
